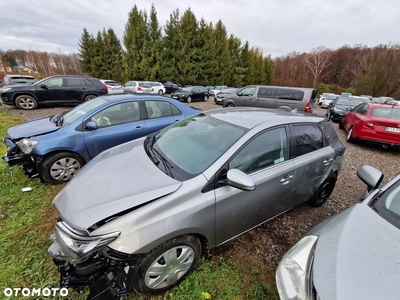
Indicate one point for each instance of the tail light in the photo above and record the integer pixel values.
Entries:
(139, 89)
(104, 88)
(152, 89)
(308, 107)
(369, 124)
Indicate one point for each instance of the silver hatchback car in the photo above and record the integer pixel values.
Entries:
(166, 199)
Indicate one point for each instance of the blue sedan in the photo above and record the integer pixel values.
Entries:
(57, 147)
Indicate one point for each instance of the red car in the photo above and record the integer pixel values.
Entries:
(373, 122)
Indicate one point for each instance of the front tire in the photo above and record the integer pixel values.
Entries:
(189, 99)
(349, 136)
(160, 92)
(230, 105)
(166, 265)
(60, 167)
(26, 102)
(205, 98)
(324, 191)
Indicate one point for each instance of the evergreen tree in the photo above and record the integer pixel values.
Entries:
(260, 77)
(97, 64)
(269, 69)
(238, 71)
(172, 66)
(247, 60)
(223, 58)
(112, 56)
(155, 49)
(134, 41)
(86, 48)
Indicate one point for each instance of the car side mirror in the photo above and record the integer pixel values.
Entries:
(240, 180)
(239, 93)
(371, 177)
(43, 86)
(332, 104)
(91, 125)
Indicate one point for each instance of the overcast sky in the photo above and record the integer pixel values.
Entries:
(277, 27)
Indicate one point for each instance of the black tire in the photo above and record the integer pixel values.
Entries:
(341, 125)
(230, 104)
(160, 92)
(189, 99)
(205, 98)
(60, 167)
(26, 102)
(324, 191)
(187, 250)
(90, 97)
(349, 136)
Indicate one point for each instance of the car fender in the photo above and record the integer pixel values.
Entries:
(84, 95)
(20, 93)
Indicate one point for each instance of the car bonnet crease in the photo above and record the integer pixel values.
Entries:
(134, 178)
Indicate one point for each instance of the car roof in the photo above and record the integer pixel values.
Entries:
(251, 117)
(136, 97)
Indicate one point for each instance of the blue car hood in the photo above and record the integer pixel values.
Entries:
(117, 180)
(357, 256)
(32, 128)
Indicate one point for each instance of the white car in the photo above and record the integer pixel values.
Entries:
(327, 99)
(217, 89)
(157, 88)
(112, 86)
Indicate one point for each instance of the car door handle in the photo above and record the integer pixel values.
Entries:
(327, 161)
(286, 179)
(139, 128)
(84, 89)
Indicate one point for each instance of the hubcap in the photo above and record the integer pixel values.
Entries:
(26, 103)
(325, 192)
(169, 267)
(64, 169)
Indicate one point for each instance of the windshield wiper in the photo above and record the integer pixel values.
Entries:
(60, 120)
(166, 163)
(149, 150)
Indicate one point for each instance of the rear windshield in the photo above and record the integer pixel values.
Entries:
(23, 80)
(144, 84)
(111, 83)
(384, 112)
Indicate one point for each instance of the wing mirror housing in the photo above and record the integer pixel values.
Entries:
(91, 125)
(240, 180)
(371, 177)
(239, 94)
(43, 86)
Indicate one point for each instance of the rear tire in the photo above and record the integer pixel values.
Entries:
(230, 105)
(26, 102)
(324, 191)
(189, 99)
(167, 265)
(160, 92)
(60, 167)
(90, 97)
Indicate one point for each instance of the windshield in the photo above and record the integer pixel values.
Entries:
(330, 97)
(82, 109)
(193, 144)
(388, 204)
(230, 91)
(349, 102)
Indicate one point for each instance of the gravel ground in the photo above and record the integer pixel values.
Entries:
(270, 241)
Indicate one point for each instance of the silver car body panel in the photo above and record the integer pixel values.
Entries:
(80, 206)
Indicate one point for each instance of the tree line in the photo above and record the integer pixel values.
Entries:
(192, 51)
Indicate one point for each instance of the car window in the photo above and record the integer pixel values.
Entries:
(291, 94)
(74, 82)
(361, 109)
(384, 112)
(53, 82)
(82, 109)
(156, 109)
(249, 91)
(117, 114)
(265, 150)
(306, 139)
(388, 205)
(111, 83)
(266, 92)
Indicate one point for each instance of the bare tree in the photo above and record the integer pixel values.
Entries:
(317, 61)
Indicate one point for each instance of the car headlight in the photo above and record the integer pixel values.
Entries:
(294, 271)
(80, 244)
(26, 145)
(3, 90)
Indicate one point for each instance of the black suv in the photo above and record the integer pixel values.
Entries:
(54, 90)
(11, 79)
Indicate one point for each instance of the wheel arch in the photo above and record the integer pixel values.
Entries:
(89, 94)
(41, 158)
(17, 94)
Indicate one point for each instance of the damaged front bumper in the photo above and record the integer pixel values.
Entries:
(104, 270)
(15, 156)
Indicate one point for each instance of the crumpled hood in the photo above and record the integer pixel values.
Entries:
(358, 257)
(116, 180)
(32, 128)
